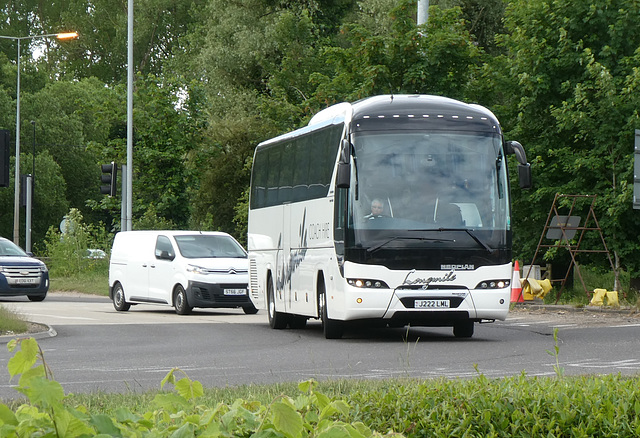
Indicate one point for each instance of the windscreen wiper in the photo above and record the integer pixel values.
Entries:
(383, 243)
(473, 236)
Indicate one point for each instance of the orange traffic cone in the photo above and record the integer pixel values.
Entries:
(516, 286)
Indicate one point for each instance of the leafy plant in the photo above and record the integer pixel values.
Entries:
(556, 354)
(66, 250)
(175, 414)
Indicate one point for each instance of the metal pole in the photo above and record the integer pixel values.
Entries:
(29, 195)
(123, 201)
(127, 225)
(423, 11)
(16, 197)
(33, 167)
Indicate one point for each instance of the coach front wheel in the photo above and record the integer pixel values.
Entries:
(463, 329)
(332, 329)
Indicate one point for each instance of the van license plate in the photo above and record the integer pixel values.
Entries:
(427, 304)
(235, 291)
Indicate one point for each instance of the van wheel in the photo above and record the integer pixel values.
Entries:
(250, 309)
(119, 302)
(180, 301)
(332, 329)
(277, 320)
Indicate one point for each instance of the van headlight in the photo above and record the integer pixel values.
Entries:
(194, 269)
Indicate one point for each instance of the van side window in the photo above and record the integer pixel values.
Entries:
(164, 249)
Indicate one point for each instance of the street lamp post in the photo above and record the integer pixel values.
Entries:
(16, 204)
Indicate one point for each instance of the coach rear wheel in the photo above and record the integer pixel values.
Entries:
(277, 320)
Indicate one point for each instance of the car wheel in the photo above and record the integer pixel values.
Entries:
(250, 309)
(463, 329)
(332, 329)
(277, 320)
(119, 302)
(180, 301)
(37, 297)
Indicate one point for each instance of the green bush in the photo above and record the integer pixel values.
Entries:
(176, 414)
(519, 406)
(67, 252)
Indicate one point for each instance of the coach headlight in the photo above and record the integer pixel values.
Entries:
(494, 284)
(367, 283)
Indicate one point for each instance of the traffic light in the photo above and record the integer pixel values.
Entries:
(109, 177)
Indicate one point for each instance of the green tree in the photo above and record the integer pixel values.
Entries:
(571, 65)
(50, 203)
(437, 59)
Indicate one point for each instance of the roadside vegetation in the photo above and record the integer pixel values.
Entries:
(507, 407)
(11, 322)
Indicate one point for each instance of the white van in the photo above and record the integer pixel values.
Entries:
(184, 269)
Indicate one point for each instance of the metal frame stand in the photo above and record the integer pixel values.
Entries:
(564, 242)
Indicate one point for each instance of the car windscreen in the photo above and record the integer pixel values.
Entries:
(10, 249)
(200, 246)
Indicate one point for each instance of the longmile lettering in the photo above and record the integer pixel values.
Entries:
(449, 276)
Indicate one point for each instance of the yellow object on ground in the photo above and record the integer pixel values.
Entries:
(532, 288)
(599, 296)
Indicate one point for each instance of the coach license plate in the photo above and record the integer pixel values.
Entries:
(235, 291)
(431, 304)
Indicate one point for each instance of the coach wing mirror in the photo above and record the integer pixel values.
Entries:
(343, 174)
(524, 168)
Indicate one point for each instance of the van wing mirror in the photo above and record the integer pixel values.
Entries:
(343, 175)
(164, 255)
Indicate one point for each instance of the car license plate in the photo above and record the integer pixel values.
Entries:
(431, 304)
(235, 291)
(25, 281)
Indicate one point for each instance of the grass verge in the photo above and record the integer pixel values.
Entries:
(512, 406)
(11, 322)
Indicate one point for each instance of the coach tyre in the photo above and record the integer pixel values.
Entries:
(277, 320)
(463, 329)
(119, 302)
(332, 329)
(180, 301)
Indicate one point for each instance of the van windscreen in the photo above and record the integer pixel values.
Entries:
(201, 246)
